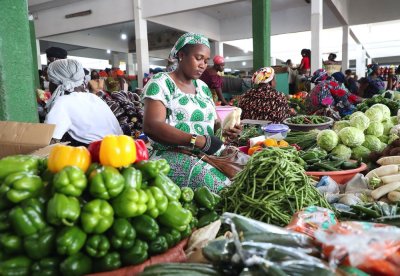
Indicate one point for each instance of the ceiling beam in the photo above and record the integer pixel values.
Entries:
(153, 8)
(39, 5)
(340, 9)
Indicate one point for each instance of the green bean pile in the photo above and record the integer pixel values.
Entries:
(308, 120)
(271, 188)
(304, 139)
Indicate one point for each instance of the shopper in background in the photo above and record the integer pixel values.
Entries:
(351, 83)
(292, 75)
(179, 112)
(80, 118)
(55, 53)
(214, 81)
(305, 65)
(374, 84)
(96, 84)
(331, 59)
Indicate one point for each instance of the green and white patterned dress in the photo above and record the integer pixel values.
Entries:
(191, 113)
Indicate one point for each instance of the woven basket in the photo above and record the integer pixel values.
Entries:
(280, 69)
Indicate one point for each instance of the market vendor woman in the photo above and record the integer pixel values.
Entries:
(179, 112)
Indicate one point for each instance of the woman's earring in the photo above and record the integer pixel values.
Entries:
(180, 59)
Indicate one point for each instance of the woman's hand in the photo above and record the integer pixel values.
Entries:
(233, 133)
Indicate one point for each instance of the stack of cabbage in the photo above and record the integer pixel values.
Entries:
(362, 134)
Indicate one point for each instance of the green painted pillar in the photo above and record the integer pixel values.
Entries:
(261, 16)
(17, 81)
(34, 52)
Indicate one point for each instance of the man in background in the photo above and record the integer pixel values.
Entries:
(55, 53)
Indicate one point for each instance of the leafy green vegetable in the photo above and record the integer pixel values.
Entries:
(359, 121)
(384, 109)
(342, 151)
(340, 125)
(372, 143)
(351, 136)
(375, 129)
(374, 114)
(387, 126)
(327, 139)
(360, 153)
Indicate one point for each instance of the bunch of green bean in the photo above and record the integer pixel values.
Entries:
(305, 120)
(304, 139)
(271, 188)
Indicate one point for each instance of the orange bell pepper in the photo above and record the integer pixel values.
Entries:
(117, 151)
(62, 156)
(269, 142)
(283, 144)
(252, 150)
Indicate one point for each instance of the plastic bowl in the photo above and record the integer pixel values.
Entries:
(223, 111)
(341, 177)
(307, 127)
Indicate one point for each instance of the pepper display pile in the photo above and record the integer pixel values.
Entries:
(271, 188)
(72, 223)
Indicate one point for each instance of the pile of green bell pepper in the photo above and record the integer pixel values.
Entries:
(75, 223)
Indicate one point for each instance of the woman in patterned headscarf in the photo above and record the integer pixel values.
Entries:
(263, 102)
(179, 113)
(373, 84)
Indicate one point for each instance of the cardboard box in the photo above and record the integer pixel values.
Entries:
(23, 138)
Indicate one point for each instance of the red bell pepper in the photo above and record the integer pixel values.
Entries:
(94, 149)
(141, 151)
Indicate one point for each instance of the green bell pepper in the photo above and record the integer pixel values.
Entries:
(192, 207)
(76, 265)
(187, 194)
(70, 181)
(157, 203)
(205, 198)
(97, 246)
(171, 235)
(20, 186)
(63, 209)
(16, 266)
(11, 244)
(18, 163)
(136, 254)
(146, 227)
(97, 216)
(70, 240)
(4, 221)
(133, 178)
(169, 188)
(151, 168)
(106, 182)
(46, 267)
(130, 203)
(4, 202)
(194, 223)
(111, 261)
(92, 167)
(122, 234)
(168, 237)
(176, 216)
(41, 244)
(186, 232)
(176, 235)
(27, 218)
(158, 245)
(42, 164)
(207, 219)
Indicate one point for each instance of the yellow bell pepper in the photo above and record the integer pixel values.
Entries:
(117, 151)
(62, 156)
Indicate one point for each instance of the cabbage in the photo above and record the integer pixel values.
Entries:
(387, 126)
(392, 137)
(360, 153)
(355, 114)
(375, 129)
(374, 115)
(359, 121)
(382, 146)
(384, 109)
(394, 120)
(351, 136)
(327, 139)
(342, 151)
(384, 138)
(340, 124)
(372, 143)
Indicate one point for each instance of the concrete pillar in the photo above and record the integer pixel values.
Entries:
(39, 62)
(17, 80)
(218, 49)
(115, 60)
(261, 24)
(360, 61)
(345, 48)
(142, 44)
(34, 50)
(130, 64)
(273, 61)
(316, 32)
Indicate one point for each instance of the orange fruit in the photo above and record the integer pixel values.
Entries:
(269, 142)
(283, 144)
(252, 150)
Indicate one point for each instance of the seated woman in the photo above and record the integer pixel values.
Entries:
(328, 92)
(96, 84)
(80, 117)
(263, 102)
(373, 84)
(179, 112)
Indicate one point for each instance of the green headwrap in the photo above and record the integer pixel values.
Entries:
(188, 38)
